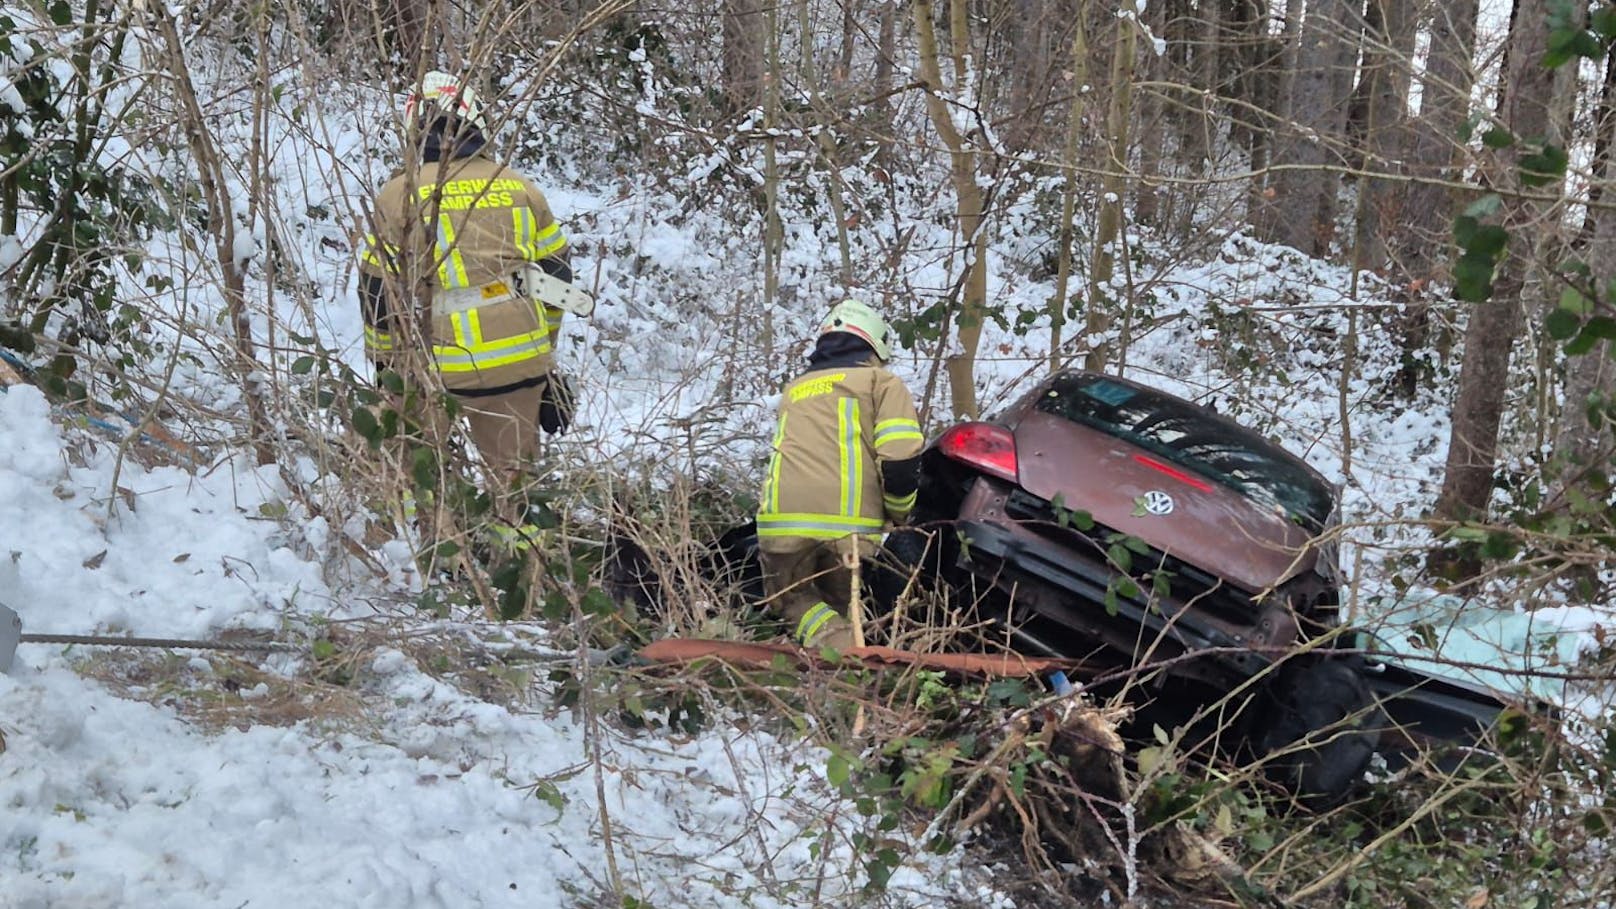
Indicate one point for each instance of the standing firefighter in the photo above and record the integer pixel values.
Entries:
(473, 244)
(845, 465)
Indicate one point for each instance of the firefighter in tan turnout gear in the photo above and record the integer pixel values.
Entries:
(845, 466)
(486, 258)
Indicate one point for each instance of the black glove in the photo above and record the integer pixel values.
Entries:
(556, 406)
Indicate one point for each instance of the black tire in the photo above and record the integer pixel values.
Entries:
(1322, 700)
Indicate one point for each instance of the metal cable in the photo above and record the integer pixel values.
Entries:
(166, 643)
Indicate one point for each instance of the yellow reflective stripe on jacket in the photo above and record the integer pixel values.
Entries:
(897, 430)
(376, 339)
(491, 354)
(814, 526)
(522, 222)
(899, 504)
(552, 318)
(381, 255)
(470, 352)
(814, 620)
(850, 455)
(451, 265)
(771, 493)
(549, 241)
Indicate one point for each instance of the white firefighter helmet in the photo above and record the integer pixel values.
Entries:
(444, 92)
(860, 320)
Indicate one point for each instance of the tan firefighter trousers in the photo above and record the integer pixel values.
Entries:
(505, 427)
(811, 587)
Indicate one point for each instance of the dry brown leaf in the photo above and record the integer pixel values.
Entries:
(95, 561)
(1478, 899)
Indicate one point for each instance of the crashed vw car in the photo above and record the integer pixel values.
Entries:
(1101, 520)
(1142, 536)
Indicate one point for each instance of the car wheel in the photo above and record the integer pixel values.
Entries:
(1317, 723)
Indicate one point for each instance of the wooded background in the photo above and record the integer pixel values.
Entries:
(1454, 155)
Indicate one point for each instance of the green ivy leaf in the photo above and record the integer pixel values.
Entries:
(1120, 557)
(1161, 584)
(1561, 324)
(1544, 167)
(302, 366)
(1009, 691)
(1473, 279)
(1601, 327)
(1497, 138)
(1488, 240)
(597, 603)
(1603, 22)
(424, 468)
(1581, 344)
(838, 771)
(364, 423)
(1500, 546)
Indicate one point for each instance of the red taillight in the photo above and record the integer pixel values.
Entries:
(988, 448)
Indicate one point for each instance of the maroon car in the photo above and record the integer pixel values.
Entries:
(1093, 496)
(1103, 520)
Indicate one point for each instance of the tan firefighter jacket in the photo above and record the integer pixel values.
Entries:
(478, 224)
(837, 426)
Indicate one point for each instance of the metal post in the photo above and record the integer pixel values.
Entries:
(10, 634)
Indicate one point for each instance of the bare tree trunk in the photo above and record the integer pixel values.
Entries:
(743, 54)
(1280, 137)
(1422, 234)
(773, 230)
(1602, 152)
(1058, 306)
(1195, 140)
(885, 49)
(828, 155)
(1259, 84)
(1591, 378)
(850, 41)
(1113, 187)
(968, 191)
(1147, 198)
(1304, 190)
(1388, 47)
(1495, 324)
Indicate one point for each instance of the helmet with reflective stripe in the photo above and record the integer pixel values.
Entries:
(859, 319)
(445, 93)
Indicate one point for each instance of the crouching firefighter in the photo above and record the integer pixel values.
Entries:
(845, 466)
(472, 244)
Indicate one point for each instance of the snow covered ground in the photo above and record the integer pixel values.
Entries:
(116, 792)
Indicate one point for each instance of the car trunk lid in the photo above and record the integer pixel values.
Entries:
(1167, 506)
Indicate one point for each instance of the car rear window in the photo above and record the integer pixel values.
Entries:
(1193, 438)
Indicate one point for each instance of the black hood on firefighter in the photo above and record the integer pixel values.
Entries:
(839, 348)
(448, 138)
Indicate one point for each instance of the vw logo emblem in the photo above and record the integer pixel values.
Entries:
(1158, 502)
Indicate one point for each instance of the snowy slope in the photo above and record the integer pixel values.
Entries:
(419, 795)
